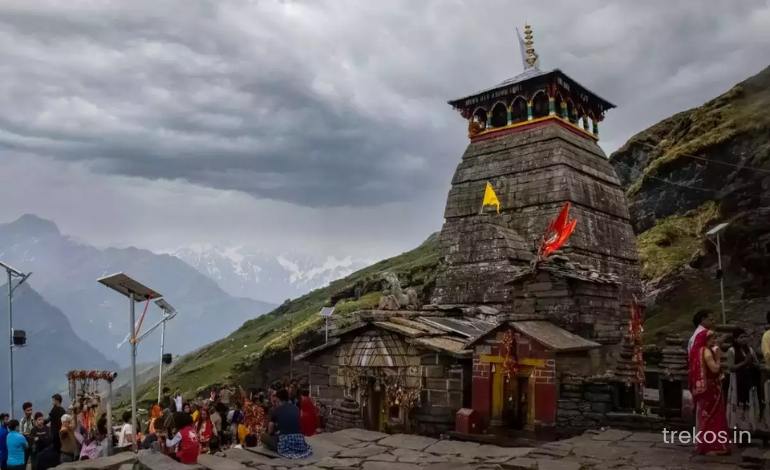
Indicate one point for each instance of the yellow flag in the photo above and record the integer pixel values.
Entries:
(490, 198)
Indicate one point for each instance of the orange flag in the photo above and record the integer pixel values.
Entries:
(557, 233)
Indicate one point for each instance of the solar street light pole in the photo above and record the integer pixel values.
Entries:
(721, 279)
(23, 277)
(715, 231)
(160, 366)
(132, 325)
(134, 291)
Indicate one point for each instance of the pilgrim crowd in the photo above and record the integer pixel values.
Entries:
(279, 418)
(729, 384)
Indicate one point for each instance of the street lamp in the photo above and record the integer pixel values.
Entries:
(169, 312)
(136, 292)
(12, 273)
(720, 273)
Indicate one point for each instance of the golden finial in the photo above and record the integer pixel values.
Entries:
(529, 43)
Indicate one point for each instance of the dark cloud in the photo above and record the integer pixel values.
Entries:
(333, 104)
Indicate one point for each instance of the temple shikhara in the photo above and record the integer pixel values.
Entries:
(532, 324)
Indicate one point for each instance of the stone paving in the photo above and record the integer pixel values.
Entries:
(593, 450)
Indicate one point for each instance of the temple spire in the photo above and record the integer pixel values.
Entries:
(529, 57)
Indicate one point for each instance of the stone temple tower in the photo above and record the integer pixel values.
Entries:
(534, 138)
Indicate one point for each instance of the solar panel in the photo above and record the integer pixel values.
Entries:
(717, 229)
(123, 284)
(326, 312)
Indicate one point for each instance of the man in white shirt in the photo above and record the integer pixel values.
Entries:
(126, 433)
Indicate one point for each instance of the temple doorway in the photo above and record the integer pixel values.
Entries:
(516, 410)
(511, 399)
(375, 398)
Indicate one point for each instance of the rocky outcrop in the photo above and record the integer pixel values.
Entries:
(682, 176)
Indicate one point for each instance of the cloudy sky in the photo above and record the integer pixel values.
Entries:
(311, 126)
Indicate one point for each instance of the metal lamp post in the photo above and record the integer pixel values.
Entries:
(169, 312)
(136, 292)
(12, 273)
(715, 231)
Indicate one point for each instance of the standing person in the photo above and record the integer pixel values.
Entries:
(54, 419)
(26, 425)
(235, 421)
(68, 442)
(702, 322)
(178, 401)
(165, 400)
(225, 395)
(28, 421)
(126, 433)
(17, 447)
(308, 417)
(216, 420)
(205, 430)
(40, 438)
(743, 410)
(185, 441)
(705, 380)
(283, 432)
(765, 348)
(3, 446)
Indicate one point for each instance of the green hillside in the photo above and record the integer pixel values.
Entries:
(229, 359)
(684, 175)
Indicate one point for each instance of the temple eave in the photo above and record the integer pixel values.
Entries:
(520, 126)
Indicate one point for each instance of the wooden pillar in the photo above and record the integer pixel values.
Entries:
(585, 123)
(510, 115)
(551, 106)
(564, 110)
(529, 110)
(596, 128)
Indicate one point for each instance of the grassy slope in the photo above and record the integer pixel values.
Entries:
(740, 111)
(221, 361)
(672, 241)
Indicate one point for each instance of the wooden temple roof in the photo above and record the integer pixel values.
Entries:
(533, 76)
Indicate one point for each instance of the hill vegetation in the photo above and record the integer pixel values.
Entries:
(237, 357)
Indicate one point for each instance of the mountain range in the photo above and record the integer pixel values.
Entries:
(52, 349)
(274, 278)
(65, 273)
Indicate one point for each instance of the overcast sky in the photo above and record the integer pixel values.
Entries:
(311, 126)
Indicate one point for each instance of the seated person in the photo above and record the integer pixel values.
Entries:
(283, 432)
(185, 441)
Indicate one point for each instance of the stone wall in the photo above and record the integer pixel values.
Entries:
(441, 395)
(533, 172)
(439, 377)
(587, 309)
(588, 404)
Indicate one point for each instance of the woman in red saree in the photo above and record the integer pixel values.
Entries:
(706, 388)
(308, 414)
(205, 430)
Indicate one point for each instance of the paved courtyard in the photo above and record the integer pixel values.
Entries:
(367, 450)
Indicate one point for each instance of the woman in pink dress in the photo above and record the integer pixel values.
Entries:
(706, 388)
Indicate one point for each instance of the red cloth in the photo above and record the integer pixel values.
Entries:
(308, 416)
(206, 431)
(188, 450)
(706, 389)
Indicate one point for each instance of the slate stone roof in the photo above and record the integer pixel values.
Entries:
(449, 335)
(551, 336)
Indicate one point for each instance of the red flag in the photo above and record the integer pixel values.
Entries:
(557, 233)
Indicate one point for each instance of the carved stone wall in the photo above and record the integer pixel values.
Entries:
(533, 173)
